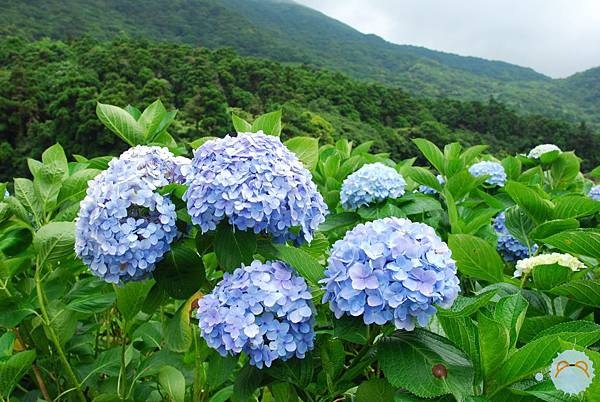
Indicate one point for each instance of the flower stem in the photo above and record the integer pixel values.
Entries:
(123, 371)
(53, 337)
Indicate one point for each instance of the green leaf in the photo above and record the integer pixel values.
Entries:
(181, 272)
(530, 201)
(130, 298)
(546, 277)
(284, 392)
(565, 168)
(29, 198)
(379, 211)
(6, 344)
(178, 333)
(133, 111)
(302, 262)
(151, 119)
(200, 141)
(465, 306)
(575, 206)
(234, 248)
(306, 149)
(351, 329)
(332, 358)
(339, 221)
(512, 167)
(75, 186)
(578, 241)
(120, 122)
(220, 369)
(54, 241)
(464, 334)
(549, 228)
(55, 164)
(425, 177)
(494, 344)
(462, 183)
(519, 224)
(476, 257)
(510, 312)
(13, 369)
(240, 125)
(407, 359)
(375, 389)
(420, 204)
(431, 152)
(172, 382)
(223, 395)
(586, 291)
(248, 379)
(92, 303)
(269, 123)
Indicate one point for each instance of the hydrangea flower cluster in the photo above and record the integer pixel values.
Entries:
(390, 269)
(493, 169)
(431, 191)
(594, 193)
(542, 149)
(124, 226)
(509, 247)
(525, 266)
(263, 309)
(254, 182)
(373, 182)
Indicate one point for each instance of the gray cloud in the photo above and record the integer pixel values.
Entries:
(554, 37)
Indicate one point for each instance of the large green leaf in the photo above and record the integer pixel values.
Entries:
(375, 389)
(54, 241)
(302, 262)
(431, 152)
(181, 272)
(306, 149)
(549, 228)
(530, 201)
(425, 177)
(546, 277)
(240, 125)
(29, 198)
(519, 224)
(131, 297)
(407, 359)
(233, 248)
(173, 383)
(575, 206)
(462, 183)
(269, 123)
(565, 168)
(178, 333)
(476, 257)
(465, 306)
(584, 291)
(578, 241)
(75, 186)
(510, 312)
(220, 369)
(13, 369)
(494, 344)
(120, 122)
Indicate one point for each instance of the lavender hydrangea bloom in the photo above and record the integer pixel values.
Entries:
(594, 193)
(509, 247)
(124, 226)
(254, 182)
(431, 191)
(264, 310)
(371, 183)
(390, 269)
(493, 169)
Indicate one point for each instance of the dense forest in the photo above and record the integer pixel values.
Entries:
(49, 90)
(288, 32)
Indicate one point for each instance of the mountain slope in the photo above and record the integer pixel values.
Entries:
(288, 32)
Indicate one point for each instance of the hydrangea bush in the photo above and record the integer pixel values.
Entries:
(263, 270)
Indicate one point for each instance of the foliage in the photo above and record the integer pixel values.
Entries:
(66, 334)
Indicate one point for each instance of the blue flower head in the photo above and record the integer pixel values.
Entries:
(373, 182)
(509, 247)
(431, 191)
(264, 310)
(594, 192)
(254, 182)
(124, 226)
(493, 169)
(390, 269)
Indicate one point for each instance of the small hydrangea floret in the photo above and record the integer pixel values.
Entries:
(495, 171)
(371, 183)
(263, 309)
(124, 225)
(526, 266)
(390, 269)
(594, 193)
(255, 183)
(542, 149)
(509, 247)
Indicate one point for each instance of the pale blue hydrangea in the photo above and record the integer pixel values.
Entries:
(493, 169)
(542, 149)
(594, 192)
(371, 183)
(264, 310)
(390, 269)
(431, 191)
(124, 225)
(509, 247)
(254, 182)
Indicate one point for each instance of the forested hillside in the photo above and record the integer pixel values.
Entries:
(288, 32)
(49, 90)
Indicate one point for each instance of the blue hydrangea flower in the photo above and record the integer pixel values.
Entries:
(390, 269)
(493, 169)
(254, 182)
(594, 192)
(542, 149)
(124, 226)
(509, 247)
(373, 182)
(264, 310)
(431, 191)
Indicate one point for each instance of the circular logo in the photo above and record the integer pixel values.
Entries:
(571, 371)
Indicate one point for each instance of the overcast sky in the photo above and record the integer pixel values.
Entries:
(555, 37)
